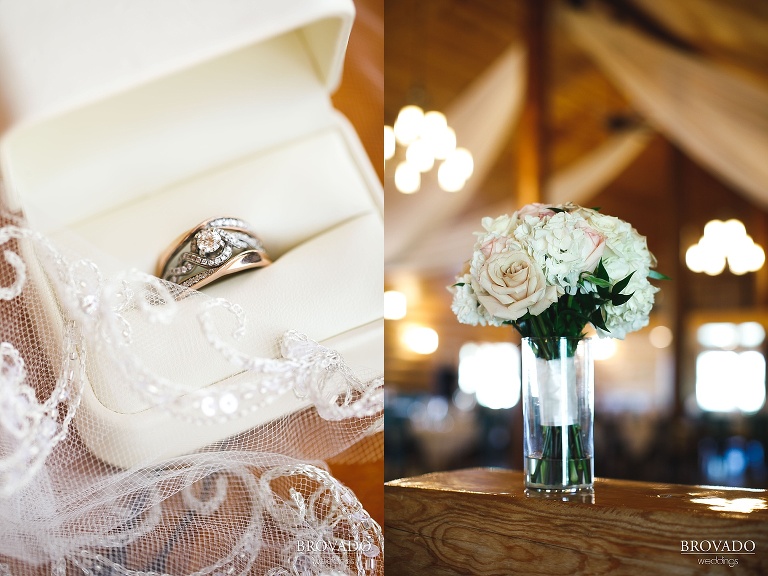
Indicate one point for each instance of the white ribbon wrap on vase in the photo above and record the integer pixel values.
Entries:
(556, 382)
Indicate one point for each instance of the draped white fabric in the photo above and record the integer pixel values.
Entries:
(730, 29)
(438, 249)
(718, 118)
(581, 181)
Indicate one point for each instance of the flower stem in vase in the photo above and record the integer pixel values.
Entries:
(554, 469)
(557, 394)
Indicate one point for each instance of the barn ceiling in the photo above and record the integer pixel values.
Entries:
(435, 48)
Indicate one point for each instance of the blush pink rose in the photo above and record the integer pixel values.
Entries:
(495, 244)
(508, 284)
(593, 249)
(535, 209)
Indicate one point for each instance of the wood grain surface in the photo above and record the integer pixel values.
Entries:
(482, 522)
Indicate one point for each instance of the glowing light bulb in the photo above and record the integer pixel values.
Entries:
(434, 124)
(442, 144)
(389, 142)
(421, 339)
(734, 228)
(748, 257)
(409, 124)
(449, 177)
(695, 258)
(714, 264)
(715, 231)
(407, 178)
(462, 159)
(420, 156)
(395, 305)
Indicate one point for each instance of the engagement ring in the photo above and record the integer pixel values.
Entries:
(210, 251)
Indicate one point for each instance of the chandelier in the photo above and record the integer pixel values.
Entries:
(725, 242)
(426, 139)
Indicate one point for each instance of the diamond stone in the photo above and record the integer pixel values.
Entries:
(208, 240)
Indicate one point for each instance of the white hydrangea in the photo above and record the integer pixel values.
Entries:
(563, 245)
(630, 316)
(467, 308)
(626, 253)
(622, 241)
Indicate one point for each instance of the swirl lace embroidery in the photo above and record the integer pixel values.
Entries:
(35, 428)
(312, 523)
(310, 370)
(316, 527)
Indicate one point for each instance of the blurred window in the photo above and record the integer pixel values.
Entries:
(730, 368)
(490, 371)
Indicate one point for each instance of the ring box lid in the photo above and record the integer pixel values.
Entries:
(105, 55)
(65, 67)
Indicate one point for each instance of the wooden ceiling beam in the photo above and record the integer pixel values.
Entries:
(626, 10)
(531, 148)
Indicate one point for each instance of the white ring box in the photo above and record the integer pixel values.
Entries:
(132, 121)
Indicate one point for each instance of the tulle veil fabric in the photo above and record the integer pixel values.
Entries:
(260, 502)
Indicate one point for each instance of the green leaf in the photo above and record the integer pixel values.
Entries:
(654, 275)
(621, 284)
(597, 320)
(459, 284)
(555, 210)
(619, 299)
(596, 281)
(601, 272)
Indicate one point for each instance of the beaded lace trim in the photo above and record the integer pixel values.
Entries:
(323, 527)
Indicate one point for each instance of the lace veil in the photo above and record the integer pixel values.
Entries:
(259, 502)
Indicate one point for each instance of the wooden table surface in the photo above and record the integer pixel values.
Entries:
(481, 521)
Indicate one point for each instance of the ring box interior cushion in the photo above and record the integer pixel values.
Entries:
(118, 142)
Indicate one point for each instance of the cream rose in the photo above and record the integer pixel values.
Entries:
(501, 225)
(508, 284)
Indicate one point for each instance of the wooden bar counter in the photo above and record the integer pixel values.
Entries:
(481, 522)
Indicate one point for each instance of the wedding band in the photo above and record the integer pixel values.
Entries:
(211, 250)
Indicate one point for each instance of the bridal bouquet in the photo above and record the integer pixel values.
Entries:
(548, 271)
(551, 270)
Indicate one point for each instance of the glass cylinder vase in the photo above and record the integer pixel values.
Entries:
(558, 412)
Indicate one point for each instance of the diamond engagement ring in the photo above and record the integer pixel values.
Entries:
(211, 250)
